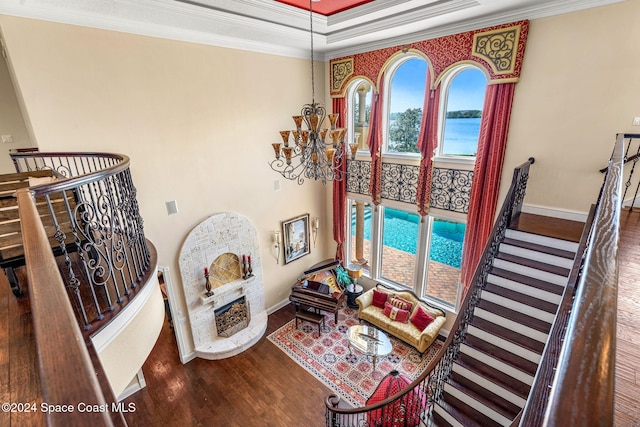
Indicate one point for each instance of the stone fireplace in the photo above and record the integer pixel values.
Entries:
(233, 317)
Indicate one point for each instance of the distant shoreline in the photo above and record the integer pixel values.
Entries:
(464, 114)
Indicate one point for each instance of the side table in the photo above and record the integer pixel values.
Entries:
(353, 292)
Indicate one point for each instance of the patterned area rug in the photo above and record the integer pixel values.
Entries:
(329, 360)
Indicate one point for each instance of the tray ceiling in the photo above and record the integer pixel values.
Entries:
(274, 27)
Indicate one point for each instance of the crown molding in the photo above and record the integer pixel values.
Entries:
(536, 11)
(270, 27)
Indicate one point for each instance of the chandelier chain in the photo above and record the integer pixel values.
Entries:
(313, 80)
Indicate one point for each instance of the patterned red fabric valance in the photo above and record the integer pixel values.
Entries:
(499, 50)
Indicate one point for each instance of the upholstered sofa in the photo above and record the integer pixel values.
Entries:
(401, 314)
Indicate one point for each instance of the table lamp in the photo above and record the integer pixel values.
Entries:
(355, 271)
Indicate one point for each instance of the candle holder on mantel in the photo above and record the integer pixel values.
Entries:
(247, 270)
(207, 284)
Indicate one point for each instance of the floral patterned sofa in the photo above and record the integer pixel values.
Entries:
(402, 314)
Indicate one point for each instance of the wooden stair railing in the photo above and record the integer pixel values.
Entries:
(430, 383)
(534, 411)
(66, 371)
(582, 392)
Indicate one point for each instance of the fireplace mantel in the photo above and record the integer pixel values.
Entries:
(217, 235)
(226, 293)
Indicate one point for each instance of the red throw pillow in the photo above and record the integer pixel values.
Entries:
(421, 319)
(379, 298)
(395, 313)
(400, 303)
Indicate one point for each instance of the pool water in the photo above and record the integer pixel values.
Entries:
(401, 231)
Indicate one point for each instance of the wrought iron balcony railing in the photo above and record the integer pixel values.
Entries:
(92, 219)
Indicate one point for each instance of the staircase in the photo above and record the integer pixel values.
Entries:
(492, 375)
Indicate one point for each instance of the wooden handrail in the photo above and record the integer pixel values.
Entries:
(626, 159)
(512, 200)
(77, 181)
(587, 359)
(66, 372)
(533, 413)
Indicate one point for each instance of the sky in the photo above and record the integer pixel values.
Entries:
(466, 93)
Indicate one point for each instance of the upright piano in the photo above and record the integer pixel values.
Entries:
(318, 288)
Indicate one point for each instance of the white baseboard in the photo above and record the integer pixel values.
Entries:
(137, 383)
(555, 213)
(278, 306)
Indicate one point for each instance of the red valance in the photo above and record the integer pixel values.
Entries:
(499, 50)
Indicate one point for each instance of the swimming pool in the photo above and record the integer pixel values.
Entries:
(401, 231)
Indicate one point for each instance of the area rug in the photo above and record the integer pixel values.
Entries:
(328, 358)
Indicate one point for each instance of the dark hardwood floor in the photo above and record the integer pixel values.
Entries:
(627, 379)
(259, 387)
(263, 386)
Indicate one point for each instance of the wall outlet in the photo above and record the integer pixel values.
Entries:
(7, 138)
(636, 121)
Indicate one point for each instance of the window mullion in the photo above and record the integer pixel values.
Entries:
(422, 263)
(376, 241)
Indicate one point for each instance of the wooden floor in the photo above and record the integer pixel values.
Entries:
(627, 400)
(259, 387)
(264, 387)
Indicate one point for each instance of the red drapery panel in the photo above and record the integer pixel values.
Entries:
(486, 175)
(340, 187)
(427, 143)
(375, 143)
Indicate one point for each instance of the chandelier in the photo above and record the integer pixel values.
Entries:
(305, 153)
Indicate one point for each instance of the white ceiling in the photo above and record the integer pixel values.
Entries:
(271, 27)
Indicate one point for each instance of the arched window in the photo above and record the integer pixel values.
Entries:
(359, 95)
(462, 99)
(405, 100)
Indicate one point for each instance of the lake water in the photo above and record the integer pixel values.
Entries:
(461, 136)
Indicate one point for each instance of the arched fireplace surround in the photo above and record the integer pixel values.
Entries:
(211, 245)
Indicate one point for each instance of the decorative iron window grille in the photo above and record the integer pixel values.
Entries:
(450, 189)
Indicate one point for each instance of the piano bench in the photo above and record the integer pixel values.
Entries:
(312, 317)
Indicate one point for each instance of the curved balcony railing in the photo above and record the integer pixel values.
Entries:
(93, 222)
(87, 216)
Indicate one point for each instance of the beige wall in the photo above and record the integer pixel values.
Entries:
(580, 86)
(11, 120)
(197, 121)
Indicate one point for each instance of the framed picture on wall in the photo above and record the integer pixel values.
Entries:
(295, 232)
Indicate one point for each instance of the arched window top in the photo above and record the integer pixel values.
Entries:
(406, 83)
(463, 90)
(359, 94)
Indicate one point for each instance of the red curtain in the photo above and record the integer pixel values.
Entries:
(486, 175)
(374, 141)
(340, 187)
(427, 143)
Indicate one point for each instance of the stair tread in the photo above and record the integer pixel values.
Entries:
(497, 377)
(540, 248)
(484, 396)
(549, 307)
(554, 269)
(465, 414)
(514, 361)
(438, 421)
(508, 335)
(516, 316)
(547, 240)
(529, 281)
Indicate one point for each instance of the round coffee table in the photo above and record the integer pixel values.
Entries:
(369, 341)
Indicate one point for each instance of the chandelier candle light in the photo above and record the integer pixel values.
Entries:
(310, 156)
